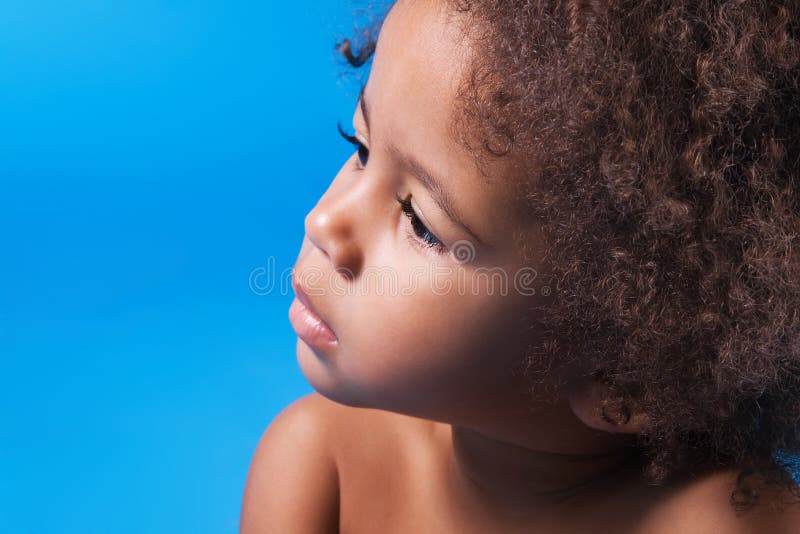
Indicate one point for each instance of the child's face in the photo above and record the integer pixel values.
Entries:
(440, 338)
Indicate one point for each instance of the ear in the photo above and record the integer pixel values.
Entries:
(598, 407)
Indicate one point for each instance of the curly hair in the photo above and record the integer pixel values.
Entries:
(658, 143)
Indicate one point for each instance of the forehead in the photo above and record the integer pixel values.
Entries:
(421, 59)
(419, 62)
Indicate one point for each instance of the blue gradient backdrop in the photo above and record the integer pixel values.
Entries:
(152, 154)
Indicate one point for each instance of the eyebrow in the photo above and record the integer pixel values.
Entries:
(434, 186)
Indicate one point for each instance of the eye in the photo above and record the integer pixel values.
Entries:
(363, 152)
(420, 230)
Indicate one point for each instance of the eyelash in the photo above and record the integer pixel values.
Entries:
(423, 235)
(361, 150)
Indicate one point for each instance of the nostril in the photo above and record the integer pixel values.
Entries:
(346, 272)
(344, 257)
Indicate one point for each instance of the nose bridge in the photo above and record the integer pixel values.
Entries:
(334, 224)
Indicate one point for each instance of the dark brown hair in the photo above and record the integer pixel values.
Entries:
(658, 143)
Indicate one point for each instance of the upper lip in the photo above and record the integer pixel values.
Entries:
(302, 296)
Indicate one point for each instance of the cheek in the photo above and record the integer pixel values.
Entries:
(408, 351)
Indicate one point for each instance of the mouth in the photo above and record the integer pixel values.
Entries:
(307, 323)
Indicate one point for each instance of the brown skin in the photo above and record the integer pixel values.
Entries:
(443, 356)
(325, 467)
(398, 474)
(448, 359)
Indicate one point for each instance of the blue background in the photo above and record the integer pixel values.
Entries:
(153, 153)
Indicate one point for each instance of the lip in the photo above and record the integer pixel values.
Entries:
(307, 323)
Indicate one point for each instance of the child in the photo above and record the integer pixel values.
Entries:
(556, 288)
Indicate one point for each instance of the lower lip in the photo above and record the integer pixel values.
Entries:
(309, 327)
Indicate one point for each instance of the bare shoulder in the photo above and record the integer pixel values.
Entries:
(292, 484)
(704, 506)
(317, 458)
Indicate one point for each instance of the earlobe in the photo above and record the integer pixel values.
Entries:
(598, 407)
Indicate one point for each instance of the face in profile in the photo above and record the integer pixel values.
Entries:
(412, 256)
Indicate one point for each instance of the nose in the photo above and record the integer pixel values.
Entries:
(331, 227)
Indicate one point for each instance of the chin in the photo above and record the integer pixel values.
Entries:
(321, 374)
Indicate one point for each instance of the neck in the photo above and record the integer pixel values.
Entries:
(511, 476)
(514, 472)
